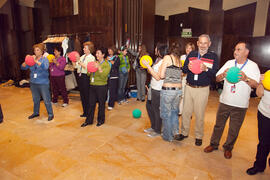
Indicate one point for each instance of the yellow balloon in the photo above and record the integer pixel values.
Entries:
(50, 57)
(182, 61)
(146, 58)
(266, 80)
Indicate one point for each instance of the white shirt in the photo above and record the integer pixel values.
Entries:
(156, 85)
(85, 60)
(242, 90)
(264, 106)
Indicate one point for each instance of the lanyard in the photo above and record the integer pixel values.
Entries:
(242, 65)
(199, 56)
(99, 64)
(83, 62)
(125, 60)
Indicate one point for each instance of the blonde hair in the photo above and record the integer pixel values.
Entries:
(41, 46)
(90, 46)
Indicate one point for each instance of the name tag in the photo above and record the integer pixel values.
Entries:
(35, 75)
(93, 79)
(196, 77)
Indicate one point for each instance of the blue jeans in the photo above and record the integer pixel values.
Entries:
(123, 77)
(169, 109)
(38, 91)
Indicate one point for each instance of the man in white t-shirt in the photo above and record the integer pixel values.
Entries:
(234, 98)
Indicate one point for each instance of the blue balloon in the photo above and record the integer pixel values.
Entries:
(233, 75)
(136, 113)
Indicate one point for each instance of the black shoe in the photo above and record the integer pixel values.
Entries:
(100, 123)
(198, 142)
(83, 115)
(179, 137)
(137, 99)
(50, 118)
(143, 100)
(253, 171)
(33, 116)
(85, 124)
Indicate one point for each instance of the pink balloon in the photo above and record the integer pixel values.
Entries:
(91, 67)
(196, 66)
(73, 56)
(29, 60)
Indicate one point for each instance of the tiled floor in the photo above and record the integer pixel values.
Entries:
(119, 149)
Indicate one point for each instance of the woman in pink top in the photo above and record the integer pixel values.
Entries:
(57, 74)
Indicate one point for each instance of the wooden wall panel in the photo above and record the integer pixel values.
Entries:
(196, 19)
(61, 8)
(267, 31)
(199, 21)
(160, 29)
(240, 21)
(95, 17)
(175, 21)
(10, 51)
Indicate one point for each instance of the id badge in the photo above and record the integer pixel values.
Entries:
(35, 75)
(80, 74)
(233, 88)
(196, 77)
(93, 79)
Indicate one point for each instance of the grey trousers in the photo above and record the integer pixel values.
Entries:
(140, 81)
(237, 116)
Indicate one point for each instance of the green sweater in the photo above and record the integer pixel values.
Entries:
(101, 78)
(124, 66)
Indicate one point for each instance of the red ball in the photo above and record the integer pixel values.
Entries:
(73, 56)
(196, 66)
(91, 67)
(29, 60)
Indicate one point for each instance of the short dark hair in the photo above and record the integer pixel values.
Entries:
(247, 45)
(59, 49)
(162, 50)
(103, 50)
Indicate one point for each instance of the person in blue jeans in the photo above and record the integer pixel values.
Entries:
(124, 69)
(171, 91)
(39, 81)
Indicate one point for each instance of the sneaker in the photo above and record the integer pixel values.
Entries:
(179, 137)
(54, 103)
(198, 142)
(64, 105)
(110, 108)
(153, 134)
(149, 130)
(126, 101)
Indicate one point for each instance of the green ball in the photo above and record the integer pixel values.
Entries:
(233, 75)
(137, 113)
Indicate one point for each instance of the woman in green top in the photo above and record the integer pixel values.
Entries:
(98, 89)
(123, 74)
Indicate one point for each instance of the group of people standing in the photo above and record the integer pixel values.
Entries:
(174, 90)
(167, 84)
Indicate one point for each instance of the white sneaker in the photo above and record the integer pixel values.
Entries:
(110, 108)
(153, 134)
(149, 130)
(54, 103)
(64, 105)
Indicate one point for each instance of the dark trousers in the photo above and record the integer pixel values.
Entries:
(237, 116)
(84, 84)
(98, 95)
(59, 88)
(153, 111)
(1, 114)
(263, 147)
(113, 89)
